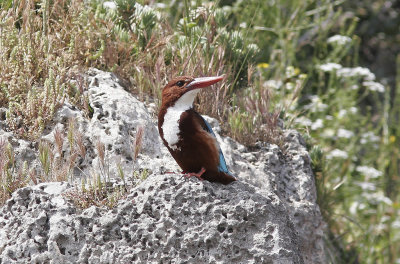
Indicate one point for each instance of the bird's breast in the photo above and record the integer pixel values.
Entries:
(172, 118)
(170, 126)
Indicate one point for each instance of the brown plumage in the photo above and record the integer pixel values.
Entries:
(191, 141)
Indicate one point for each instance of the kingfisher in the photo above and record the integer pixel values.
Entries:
(187, 135)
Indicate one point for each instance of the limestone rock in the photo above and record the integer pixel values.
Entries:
(165, 219)
(269, 216)
(115, 120)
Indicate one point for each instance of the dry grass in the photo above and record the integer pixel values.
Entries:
(44, 46)
(57, 162)
(99, 191)
(96, 193)
(11, 177)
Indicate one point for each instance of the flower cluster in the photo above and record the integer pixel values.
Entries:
(339, 40)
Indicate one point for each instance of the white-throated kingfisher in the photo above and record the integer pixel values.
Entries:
(187, 135)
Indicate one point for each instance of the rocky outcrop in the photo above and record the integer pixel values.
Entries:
(269, 216)
(165, 219)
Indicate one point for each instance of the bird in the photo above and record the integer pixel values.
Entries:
(187, 135)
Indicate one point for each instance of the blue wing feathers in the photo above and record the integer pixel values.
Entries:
(209, 129)
(222, 163)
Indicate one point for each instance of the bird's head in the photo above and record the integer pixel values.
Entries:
(181, 91)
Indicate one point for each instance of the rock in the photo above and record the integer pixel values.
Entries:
(269, 216)
(117, 114)
(24, 150)
(166, 218)
(116, 117)
(288, 176)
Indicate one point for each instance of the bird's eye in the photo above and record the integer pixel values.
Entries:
(180, 83)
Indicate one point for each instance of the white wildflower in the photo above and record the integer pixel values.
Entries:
(386, 219)
(289, 86)
(110, 5)
(377, 198)
(290, 72)
(319, 123)
(344, 133)
(253, 48)
(243, 25)
(273, 84)
(330, 66)
(313, 98)
(316, 104)
(380, 227)
(353, 110)
(319, 106)
(302, 76)
(329, 117)
(369, 137)
(343, 112)
(369, 171)
(337, 153)
(374, 86)
(356, 72)
(396, 225)
(366, 186)
(303, 121)
(339, 40)
(328, 133)
(355, 206)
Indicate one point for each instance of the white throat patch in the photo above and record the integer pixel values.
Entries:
(170, 126)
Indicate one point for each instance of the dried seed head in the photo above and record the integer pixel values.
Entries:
(80, 144)
(137, 144)
(59, 140)
(101, 151)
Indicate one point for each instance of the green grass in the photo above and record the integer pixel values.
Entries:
(280, 62)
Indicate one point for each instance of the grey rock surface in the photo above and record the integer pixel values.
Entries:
(165, 219)
(269, 216)
(116, 117)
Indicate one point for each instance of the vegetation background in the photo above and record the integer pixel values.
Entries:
(330, 69)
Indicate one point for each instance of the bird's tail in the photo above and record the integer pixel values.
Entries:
(221, 177)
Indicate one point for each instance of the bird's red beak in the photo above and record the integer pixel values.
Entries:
(203, 82)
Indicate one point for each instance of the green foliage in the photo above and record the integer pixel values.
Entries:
(205, 30)
(342, 107)
(132, 20)
(143, 22)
